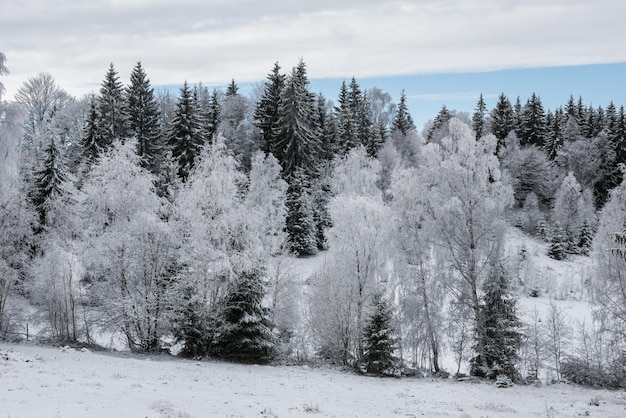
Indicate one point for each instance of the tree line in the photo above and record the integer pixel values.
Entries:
(176, 221)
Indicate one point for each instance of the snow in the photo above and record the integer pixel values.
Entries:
(63, 382)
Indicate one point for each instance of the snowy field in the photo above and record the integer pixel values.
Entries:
(55, 382)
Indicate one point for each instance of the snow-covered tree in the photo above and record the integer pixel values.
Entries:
(501, 118)
(128, 248)
(112, 117)
(499, 334)
(297, 144)
(143, 118)
(571, 209)
(608, 252)
(244, 332)
(266, 198)
(380, 339)
(184, 134)
(3, 71)
(300, 222)
(478, 118)
(403, 121)
(266, 112)
(530, 171)
(465, 199)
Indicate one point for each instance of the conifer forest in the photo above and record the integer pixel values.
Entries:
(190, 223)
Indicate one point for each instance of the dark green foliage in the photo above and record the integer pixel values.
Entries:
(184, 136)
(578, 371)
(498, 336)
(297, 144)
(439, 127)
(266, 113)
(380, 342)
(48, 180)
(403, 121)
(91, 143)
(112, 117)
(244, 333)
(302, 231)
(586, 238)
(555, 137)
(502, 121)
(232, 89)
(478, 118)
(346, 123)
(533, 123)
(144, 118)
(192, 327)
(557, 249)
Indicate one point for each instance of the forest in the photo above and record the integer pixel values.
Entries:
(176, 224)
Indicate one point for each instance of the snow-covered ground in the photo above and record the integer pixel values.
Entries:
(55, 382)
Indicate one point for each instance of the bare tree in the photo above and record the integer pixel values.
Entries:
(3, 71)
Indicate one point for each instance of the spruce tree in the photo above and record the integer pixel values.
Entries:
(361, 113)
(91, 143)
(478, 118)
(245, 332)
(297, 142)
(112, 118)
(403, 121)
(380, 342)
(232, 89)
(184, 136)
(266, 113)
(533, 123)
(498, 333)
(502, 121)
(300, 223)
(554, 139)
(143, 118)
(439, 127)
(48, 180)
(213, 115)
(557, 249)
(346, 123)
(586, 238)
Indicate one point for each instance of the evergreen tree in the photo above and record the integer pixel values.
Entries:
(213, 115)
(502, 120)
(586, 238)
(478, 119)
(112, 117)
(329, 147)
(91, 142)
(266, 113)
(232, 89)
(499, 330)
(48, 180)
(362, 114)
(518, 118)
(533, 123)
(380, 341)
(143, 118)
(297, 131)
(557, 249)
(346, 123)
(244, 332)
(439, 128)
(300, 222)
(554, 139)
(184, 134)
(403, 121)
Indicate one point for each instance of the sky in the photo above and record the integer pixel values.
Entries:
(438, 51)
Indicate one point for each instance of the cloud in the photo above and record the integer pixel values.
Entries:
(214, 41)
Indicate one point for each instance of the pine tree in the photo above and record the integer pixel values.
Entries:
(557, 249)
(213, 115)
(554, 139)
(329, 146)
(48, 180)
(297, 142)
(184, 134)
(439, 127)
(586, 238)
(266, 113)
(346, 123)
(300, 222)
(143, 118)
(502, 120)
(402, 121)
(478, 119)
(244, 332)
(361, 113)
(533, 123)
(499, 330)
(380, 341)
(112, 118)
(232, 89)
(91, 143)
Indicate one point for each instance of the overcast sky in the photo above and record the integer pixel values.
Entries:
(216, 40)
